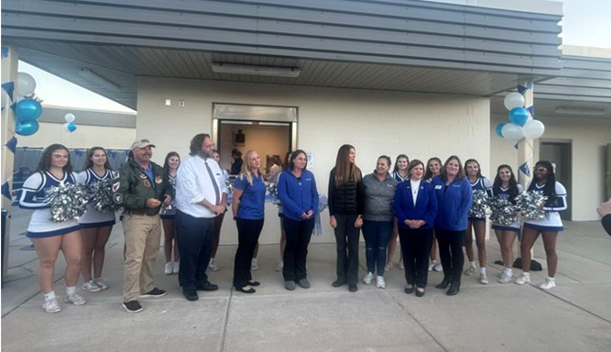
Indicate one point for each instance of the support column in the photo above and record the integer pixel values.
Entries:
(526, 152)
(10, 59)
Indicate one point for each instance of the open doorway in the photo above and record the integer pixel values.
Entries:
(559, 153)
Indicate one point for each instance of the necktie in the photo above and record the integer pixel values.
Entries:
(213, 180)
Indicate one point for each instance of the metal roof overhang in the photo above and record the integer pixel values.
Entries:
(399, 45)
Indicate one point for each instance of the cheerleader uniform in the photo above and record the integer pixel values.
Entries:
(515, 226)
(552, 207)
(93, 218)
(165, 213)
(33, 197)
(399, 178)
(482, 184)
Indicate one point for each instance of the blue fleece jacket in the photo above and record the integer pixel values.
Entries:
(425, 208)
(454, 202)
(298, 195)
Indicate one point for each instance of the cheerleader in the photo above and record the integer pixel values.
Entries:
(433, 168)
(505, 186)
(167, 214)
(400, 174)
(477, 224)
(95, 226)
(544, 183)
(54, 169)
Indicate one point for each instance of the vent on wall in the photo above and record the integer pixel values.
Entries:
(574, 110)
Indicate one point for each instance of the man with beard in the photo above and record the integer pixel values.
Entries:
(140, 189)
(201, 196)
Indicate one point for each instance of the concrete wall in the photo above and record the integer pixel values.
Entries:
(84, 137)
(588, 136)
(375, 122)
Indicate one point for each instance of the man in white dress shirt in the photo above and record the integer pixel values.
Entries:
(201, 195)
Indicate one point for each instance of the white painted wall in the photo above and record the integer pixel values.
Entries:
(84, 137)
(589, 136)
(375, 122)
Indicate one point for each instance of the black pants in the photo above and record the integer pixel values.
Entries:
(298, 235)
(347, 239)
(416, 247)
(450, 251)
(195, 247)
(248, 235)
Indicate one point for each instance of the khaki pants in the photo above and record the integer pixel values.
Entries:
(142, 236)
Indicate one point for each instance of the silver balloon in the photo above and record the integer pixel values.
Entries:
(533, 129)
(25, 84)
(512, 132)
(514, 100)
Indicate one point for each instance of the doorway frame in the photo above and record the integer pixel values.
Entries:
(568, 143)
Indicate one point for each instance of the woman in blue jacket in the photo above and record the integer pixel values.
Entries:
(454, 198)
(299, 196)
(416, 208)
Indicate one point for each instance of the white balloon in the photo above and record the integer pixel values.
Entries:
(514, 100)
(512, 132)
(533, 129)
(69, 117)
(25, 84)
(65, 126)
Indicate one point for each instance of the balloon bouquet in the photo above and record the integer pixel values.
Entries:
(27, 110)
(521, 124)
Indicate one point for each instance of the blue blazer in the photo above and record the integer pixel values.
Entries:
(425, 208)
(454, 201)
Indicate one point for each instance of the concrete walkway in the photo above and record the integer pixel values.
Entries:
(575, 316)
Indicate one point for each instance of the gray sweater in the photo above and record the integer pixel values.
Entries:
(379, 198)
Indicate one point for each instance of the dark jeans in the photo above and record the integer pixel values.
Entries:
(195, 247)
(347, 239)
(377, 234)
(450, 251)
(248, 235)
(298, 234)
(416, 246)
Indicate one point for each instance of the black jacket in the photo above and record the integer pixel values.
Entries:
(345, 199)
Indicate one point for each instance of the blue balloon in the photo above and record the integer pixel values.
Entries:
(519, 116)
(71, 127)
(27, 128)
(499, 129)
(28, 110)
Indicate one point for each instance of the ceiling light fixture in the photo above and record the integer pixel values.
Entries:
(98, 80)
(574, 110)
(222, 67)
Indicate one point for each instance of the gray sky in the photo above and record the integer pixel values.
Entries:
(585, 23)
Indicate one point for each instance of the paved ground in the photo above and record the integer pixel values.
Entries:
(575, 316)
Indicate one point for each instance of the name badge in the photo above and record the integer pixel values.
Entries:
(438, 187)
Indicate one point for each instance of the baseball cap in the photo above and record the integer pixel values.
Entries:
(142, 143)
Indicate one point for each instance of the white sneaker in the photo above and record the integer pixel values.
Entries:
(254, 265)
(75, 299)
(401, 266)
(438, 267)
(213, 266)
(168, 268)
(432, 265)
(91, 286)
(470, 271)
(548, 284)
(380, 282)
(280, 266)
(483, 279)
(367, 279)
(523, 279)
(505, 277)
(101, 283)
(388, 266)
(175, 267)
(51, 306)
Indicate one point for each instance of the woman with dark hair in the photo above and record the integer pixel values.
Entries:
(454, 198)
(433, 168)
(477, 224)
(299, 196)
(218, 221)
(544, 183)
(346, 215)
(95, 226)
(416, 208)
(54, 169)
(236, 166)
(400, 174)
(378, 193)
(167, 214)
(248, 205)
(505, 186)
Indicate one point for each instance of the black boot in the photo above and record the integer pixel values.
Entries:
(454, 288)
(445, 283)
